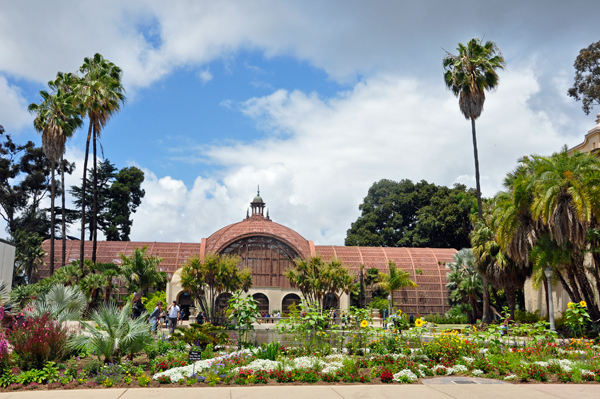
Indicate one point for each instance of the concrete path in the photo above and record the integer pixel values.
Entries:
(434, 391)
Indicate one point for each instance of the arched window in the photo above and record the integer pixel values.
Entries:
(287, 301)
(267, 257)
(263, 302)
(331, 301)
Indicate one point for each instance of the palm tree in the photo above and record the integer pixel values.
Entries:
(464, 282)
(56, 119)
(468, 75)
(565, 201)
(112, 333)
(397, 279)
(100, 94)
(61, 303)
(140, 271)
(29, 254)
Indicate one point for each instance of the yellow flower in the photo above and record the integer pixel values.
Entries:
(364, 323)
(419, 322)
(583, 304)
(570, 305)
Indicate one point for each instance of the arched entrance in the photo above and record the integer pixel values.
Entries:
(287, 301)
(331, 301)
(263, 302)
(184, 300)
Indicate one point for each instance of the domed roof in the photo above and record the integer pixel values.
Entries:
(257, 226)
(258, 198)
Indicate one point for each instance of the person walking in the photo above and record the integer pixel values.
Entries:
(200, 318)
(174, 315)
(155, 316)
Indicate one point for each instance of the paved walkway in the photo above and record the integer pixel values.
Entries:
(433, 391)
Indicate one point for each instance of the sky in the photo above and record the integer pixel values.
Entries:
(312, 100)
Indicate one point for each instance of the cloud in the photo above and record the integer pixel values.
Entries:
(13, 107)
(321, 155)
(205, 76)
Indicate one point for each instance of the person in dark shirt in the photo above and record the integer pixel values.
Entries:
(138, 306)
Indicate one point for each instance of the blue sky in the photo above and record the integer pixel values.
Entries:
(313, 100)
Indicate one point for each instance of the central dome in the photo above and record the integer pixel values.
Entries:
(257, 226)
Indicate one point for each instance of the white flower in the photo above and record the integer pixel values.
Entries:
(468, 360)
(587, 372)
(459, 368)
(440, 367)
(510, 377)
(405, 376)
(477, 372)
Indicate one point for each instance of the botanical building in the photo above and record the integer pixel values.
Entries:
(269, 248)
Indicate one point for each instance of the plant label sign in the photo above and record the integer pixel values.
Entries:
(194, 356)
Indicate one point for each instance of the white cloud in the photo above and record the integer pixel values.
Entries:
(314, 176)
(13, 107)
(205, 76)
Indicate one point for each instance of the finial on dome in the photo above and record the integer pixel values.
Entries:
(248, 213)
(268, 214)
(258, 189)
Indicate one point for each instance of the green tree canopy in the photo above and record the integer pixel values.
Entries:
(587, 77)
(140, 270)
(395, 279)
(407, 214)
(316, 278)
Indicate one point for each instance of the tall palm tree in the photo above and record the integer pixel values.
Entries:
(100, 94)
(396, 279)
(65, 81)
(468, 75)
(57, 119)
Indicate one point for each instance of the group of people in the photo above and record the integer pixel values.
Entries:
(268, 315)
(172, 316)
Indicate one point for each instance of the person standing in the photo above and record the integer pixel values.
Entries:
(155, 316)
(200, 318)
(174, 315)
(138, 306)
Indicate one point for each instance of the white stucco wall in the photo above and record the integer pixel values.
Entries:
(7, 262)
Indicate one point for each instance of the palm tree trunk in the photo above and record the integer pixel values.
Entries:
(52, 217)
(511, 298)
(487, 312)
(479, 209)
(566, 286)
(585, 286)
(64, 226)
(85, 162)
(95, 215)
(573, 282)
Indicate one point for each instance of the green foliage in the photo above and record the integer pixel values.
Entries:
(243, 311)
(28, 254)
(407, 214)
(200, 335)
(587, 75)
(270, 351)
(577, 318)
(395, 279)
(61, 303)
(140, 270)
(523, 316)
(306, 326)
(464, 283)
(33, 375)
(112, 333)
(380, 304)
(7, 378)
(92, 367)
(446, 319)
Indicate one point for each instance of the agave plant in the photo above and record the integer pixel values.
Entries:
(61, 303)
(111, 333)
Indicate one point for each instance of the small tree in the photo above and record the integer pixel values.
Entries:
(395, 280)
(316, 279)
(206, 278)
(243, 310)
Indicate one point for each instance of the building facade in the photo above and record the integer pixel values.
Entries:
(269, 249)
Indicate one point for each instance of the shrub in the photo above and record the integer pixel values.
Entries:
(38, 340)
(92, 368)
(448, 346)
(523, 316)
(446, 319)
(309, 376)
(143, 380)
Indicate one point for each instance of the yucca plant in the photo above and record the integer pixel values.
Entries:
(111, 334)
